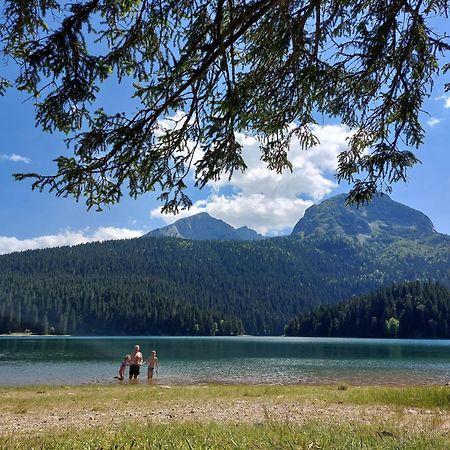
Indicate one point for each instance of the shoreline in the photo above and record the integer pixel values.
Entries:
(19, 334)
(250, 336)
(162, 383)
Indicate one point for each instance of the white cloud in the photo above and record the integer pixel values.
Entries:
(15, 158)
(432, 121)
(269, 202)
(447, 101)
(12, 244)
(255, 211)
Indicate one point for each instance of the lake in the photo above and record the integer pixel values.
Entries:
(246, 359)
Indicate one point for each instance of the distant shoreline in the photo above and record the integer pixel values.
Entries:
(20, 334)
(144, 336)
(23, 334)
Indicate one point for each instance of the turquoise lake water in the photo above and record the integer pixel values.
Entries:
(79, 360)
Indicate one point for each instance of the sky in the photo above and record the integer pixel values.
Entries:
(269, 203)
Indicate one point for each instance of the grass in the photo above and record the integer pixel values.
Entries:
(105, 396)
(268, 433)
(202, 436)
(420, 397)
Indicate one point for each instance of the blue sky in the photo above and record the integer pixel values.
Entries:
(260, 199)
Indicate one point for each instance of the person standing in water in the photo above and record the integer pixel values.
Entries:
(136, 362)
(152, 362)
(123, 366)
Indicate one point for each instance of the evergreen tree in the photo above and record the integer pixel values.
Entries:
(254, 66)
(406, 310)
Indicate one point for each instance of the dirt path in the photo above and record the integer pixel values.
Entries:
(250, 411)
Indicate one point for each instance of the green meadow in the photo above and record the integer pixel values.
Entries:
(395, 421)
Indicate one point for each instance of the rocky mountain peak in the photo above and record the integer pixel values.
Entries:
(202, 227)
(382, 217)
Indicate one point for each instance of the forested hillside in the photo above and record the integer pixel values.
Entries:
(174, 286)
(405, 310)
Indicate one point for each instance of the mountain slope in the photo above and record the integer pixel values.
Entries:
(203, 227)
(178, 286)
(382, 219)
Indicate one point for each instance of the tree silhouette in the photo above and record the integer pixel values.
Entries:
(269, 68)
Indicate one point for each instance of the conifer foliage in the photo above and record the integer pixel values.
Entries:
(404, 310)
(172, 286)
(268, 68)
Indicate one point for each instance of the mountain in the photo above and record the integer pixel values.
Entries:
(203, 227)
(382, 219)
(182, 286)
(247, 234)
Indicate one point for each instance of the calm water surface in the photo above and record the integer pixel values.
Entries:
(78, 360)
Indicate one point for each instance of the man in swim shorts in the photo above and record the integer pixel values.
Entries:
(135, 363)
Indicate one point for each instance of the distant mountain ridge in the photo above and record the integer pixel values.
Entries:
(219, 286)
(203, 227)
(381, 218)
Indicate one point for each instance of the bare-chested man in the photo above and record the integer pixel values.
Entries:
(135, 364)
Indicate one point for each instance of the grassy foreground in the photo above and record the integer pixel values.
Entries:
(290, 417)
(232, 436)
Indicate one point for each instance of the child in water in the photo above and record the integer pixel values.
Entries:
(152, 362)
(123, 366)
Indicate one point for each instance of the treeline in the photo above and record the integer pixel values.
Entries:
(405, 310)
(178, 287)
(68, 305)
